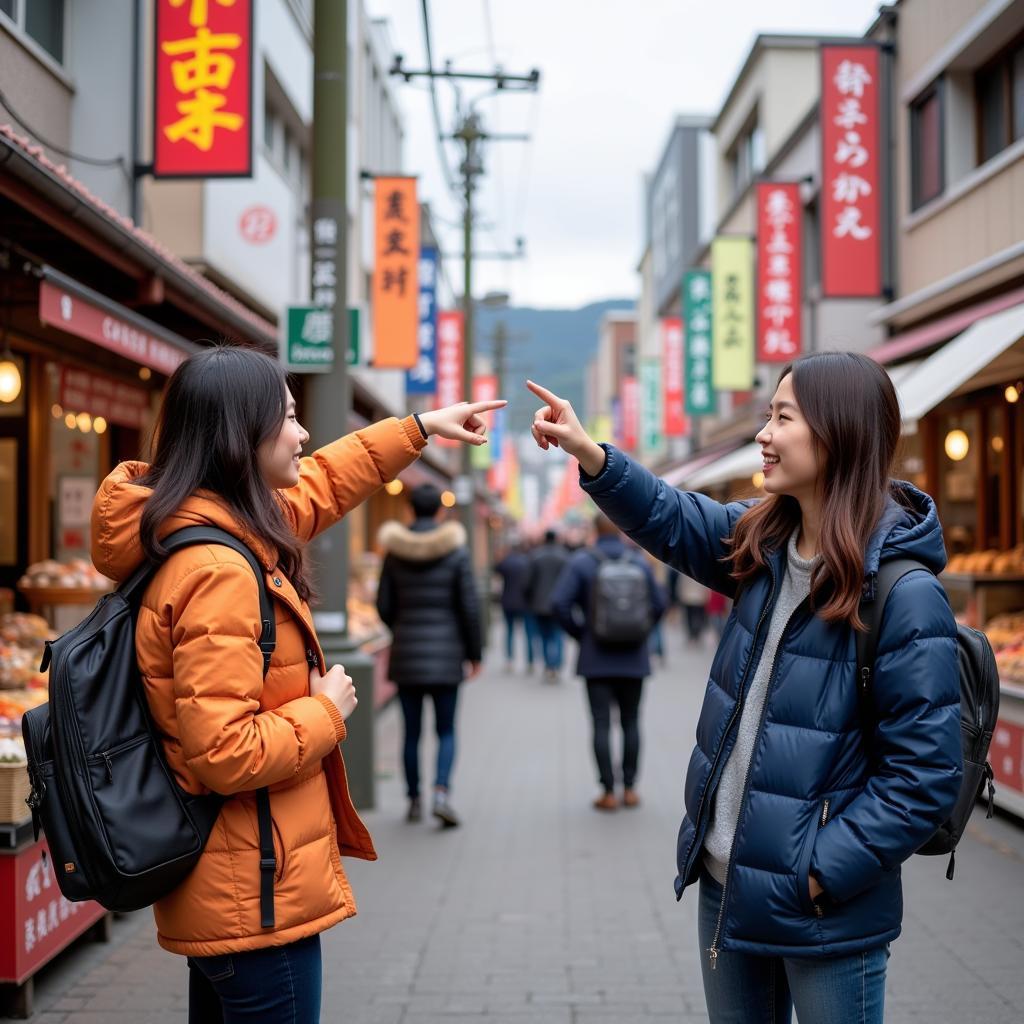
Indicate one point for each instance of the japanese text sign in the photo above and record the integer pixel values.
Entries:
(449, 364)
(629, 411)
(422, 378)
(309, 339)
(779, 255)
(651, 415)
(700, 396)
(485, 389)
(202, 125)
(396, 318)
(732, 314)
(672, 376)
(851, 223)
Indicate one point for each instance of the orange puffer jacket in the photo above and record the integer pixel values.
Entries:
(226, 728)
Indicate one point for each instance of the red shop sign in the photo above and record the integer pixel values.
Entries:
(1007, 755)
(779, 256)
(202, 124)
(449, 363)
(851, 223)
(630, 412)
(672, 376)
(102, 396)
(79, 317)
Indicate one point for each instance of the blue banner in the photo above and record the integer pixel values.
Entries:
(422, 378)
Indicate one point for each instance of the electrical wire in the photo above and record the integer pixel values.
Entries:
(442, 155)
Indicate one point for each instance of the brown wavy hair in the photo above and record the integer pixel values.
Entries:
(850, 405)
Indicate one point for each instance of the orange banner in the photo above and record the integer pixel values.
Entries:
(395, 281)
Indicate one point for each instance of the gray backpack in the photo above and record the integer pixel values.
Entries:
(621, 612)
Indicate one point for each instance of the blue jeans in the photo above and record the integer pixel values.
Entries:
(280, 983)
(551, 641)
(411, 699)
(512, 619)
(749, 989)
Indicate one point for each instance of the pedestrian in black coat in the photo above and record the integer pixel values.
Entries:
(428, 598)
(547, 561)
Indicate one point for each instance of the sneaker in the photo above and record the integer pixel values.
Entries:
(630, 798)
(606, 802)
(415, 812)
(443, 810)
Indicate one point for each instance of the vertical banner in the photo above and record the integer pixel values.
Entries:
(449, 364)
(422, 378)
(699, 395)
(851, 224)
(732, 314)
(630, 412)
(672, 376)
(497, 476)
(395, 288)
(779, 256)
(651, 414)
(202, 91)
(485, 389)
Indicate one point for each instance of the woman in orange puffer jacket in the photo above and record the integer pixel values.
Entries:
(228, 449)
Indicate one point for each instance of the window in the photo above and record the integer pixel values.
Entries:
(269, 130)
(746, 160)
(41, 20)
(926, 153)
(999, 102)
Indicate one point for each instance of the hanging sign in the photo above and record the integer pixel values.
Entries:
(396, 317)
(851, 226)
(672, 376)
(779, 234)
(699, 395)
(630, 412)
(202, 123)
(449, 364)
(422, 378)
(732, 316)
(651, 415)
(309, 338)
(485, 389)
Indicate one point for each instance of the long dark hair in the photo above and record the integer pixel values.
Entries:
(220, 405)
(850, 405)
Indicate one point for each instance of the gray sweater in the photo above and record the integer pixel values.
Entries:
(796, 585)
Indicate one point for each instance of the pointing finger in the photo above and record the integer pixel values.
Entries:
(476, 407)
(542, 393)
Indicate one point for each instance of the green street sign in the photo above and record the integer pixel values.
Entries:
(308, 343)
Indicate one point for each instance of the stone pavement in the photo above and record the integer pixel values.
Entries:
(541, 910)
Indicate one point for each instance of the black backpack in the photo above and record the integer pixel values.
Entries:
(621, 613)
(979, 706)
(121, 830)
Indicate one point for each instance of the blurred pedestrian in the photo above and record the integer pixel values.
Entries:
(547, 561)
(227, 453)
(428, 598)
(513, 570)
(717, 609)
(694, 597)
(608, 599)
(803, 795)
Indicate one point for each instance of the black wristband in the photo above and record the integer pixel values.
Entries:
(419, 423)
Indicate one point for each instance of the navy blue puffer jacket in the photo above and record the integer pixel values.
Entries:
(818, 798)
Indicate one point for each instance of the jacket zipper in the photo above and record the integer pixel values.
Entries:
(714, 950)
(735, 715)
(822, 822)
(104, 756)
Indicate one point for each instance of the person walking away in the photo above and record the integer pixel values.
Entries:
(717, 610)
(513, 570)
(609, 601)
(546, 564)
(228, 453)
(801, 804)
(694, 598)
(428, 598)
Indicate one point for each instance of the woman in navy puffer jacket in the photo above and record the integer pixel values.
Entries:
(797, 820)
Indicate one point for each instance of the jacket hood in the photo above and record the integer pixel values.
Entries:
(117, 512)
(421, 545)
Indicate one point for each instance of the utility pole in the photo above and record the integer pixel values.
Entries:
(328, 395)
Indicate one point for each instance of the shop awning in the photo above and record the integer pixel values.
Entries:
(679, 475)
(986, 353)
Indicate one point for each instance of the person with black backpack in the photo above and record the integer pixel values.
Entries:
(214, 787)
(812, 780)
(608, 599)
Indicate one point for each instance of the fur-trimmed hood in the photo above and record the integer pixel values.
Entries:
(421, 545)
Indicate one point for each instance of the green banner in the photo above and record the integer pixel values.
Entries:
(700, 395)
(732, 313)
(651, 436)
(308, 342)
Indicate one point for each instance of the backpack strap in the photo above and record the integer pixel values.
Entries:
(889, 574)
(135, 586)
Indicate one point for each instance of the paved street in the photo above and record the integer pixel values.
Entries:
(542, 910)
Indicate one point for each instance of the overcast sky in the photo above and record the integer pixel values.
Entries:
(614, 74)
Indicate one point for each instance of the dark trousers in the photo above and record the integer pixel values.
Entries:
(551, 641)
(696, 621)
(626, 693)
(280, 983)
(411, 699)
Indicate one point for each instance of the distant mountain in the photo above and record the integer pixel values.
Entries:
(551, 346)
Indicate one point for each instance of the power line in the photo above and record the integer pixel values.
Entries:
(438, 134)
